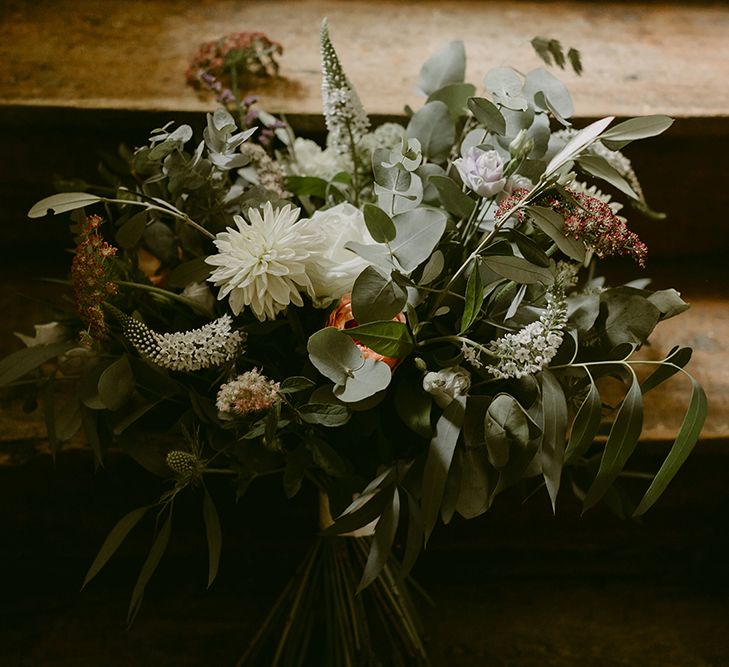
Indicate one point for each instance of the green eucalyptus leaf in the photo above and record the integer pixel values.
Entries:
(388, 338)
(371, 378)
(453, 199)
(61, 203)
(505, 87)
(116, 384)
(455, 96)
(379, 224)
(214, 535)
(413, 404)
(375, 297)
(327, 458)
(620, 444)
(687, 437)
(433, 126)
(324, 414)
(555, 92)
(445, 67)
(418, 233)
(669, 302)
(577, 144)
(192, 271)
(630, 317)
(334, 354)
(488, 114)
(506, 425)
(295, 384)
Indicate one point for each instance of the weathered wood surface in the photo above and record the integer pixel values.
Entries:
(639, 58)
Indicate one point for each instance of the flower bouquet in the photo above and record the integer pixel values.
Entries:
(409, 319)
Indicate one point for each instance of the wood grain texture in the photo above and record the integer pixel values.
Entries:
(639, 58)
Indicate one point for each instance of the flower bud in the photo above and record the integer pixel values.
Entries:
(183, 464)
(482, 171)
(521, 145)
(446, 384)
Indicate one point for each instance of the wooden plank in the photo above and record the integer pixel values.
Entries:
(639, 58)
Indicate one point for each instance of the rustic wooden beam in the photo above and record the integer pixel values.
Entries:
(639, 58)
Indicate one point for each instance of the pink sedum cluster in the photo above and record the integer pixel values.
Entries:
(248, 393)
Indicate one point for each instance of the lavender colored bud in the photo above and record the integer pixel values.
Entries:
(482, 171)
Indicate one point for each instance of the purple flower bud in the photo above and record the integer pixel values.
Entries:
(482, 171)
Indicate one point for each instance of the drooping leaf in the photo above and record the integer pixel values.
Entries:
(669, 302)
(382, 541)
(438, 462)
(444, 67)
(577, 143)
(113, 541)
(159, 546)
(630, 317)
(518, 269)
(61, 203)
(585, 425)
(214, 535)
(506, 425)
(687, 437)
(599, 167)
(677, 358)
(17, 364)
(551, 453)
(620, 444)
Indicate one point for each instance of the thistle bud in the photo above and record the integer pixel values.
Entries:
(183, 464)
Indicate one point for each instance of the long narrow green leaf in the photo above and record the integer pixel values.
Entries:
(585, 425)
(414, 540)
(677, 358)
(687, 436)
(214, 535)
(474, 299)
(360, 517)
(382, 541)
(438, 463)
(113, 541)
(551, 454)
(17, 364)
(159, 546)
(620, 444)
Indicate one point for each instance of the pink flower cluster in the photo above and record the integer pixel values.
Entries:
(90, 276)
(249, 392)
(588, 219)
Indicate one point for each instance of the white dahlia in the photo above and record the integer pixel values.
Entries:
(262, 264)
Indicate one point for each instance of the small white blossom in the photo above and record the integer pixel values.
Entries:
(446, 384)
(530, 349)
(211, 345)
(345, 118)
(262, 263)
(249, 392)
(482, 171)
(387, 135)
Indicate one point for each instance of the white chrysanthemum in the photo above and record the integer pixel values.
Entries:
(211, 345)
(262, 263)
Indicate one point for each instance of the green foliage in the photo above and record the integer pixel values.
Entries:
(551, 52)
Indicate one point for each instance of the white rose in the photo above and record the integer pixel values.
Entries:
(333, 269)
(311, 160)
